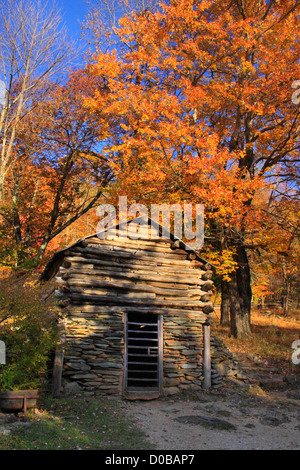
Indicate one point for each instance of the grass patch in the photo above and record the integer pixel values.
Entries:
(77, 423)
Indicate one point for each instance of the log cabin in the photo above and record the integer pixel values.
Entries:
(134, 315)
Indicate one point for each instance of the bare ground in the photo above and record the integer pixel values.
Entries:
(233, 418)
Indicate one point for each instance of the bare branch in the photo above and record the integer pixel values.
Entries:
(104, 15)
(33, 49)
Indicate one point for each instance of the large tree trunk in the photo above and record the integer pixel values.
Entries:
(239, 288)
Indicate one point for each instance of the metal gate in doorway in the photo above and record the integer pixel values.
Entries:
(143, 353)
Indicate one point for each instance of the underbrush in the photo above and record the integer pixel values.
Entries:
(28, 331)
(271, 339)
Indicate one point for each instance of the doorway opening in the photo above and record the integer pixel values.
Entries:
(143, 352)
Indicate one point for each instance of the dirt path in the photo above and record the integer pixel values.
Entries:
(230, 419)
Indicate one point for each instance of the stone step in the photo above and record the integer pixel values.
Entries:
(272, 383)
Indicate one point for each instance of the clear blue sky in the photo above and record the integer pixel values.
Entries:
(73, 12)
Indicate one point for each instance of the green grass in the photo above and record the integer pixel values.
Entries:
(77, 423)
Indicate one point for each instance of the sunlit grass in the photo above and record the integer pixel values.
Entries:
(77, 424)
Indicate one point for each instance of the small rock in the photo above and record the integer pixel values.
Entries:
(213, 422)
(293, 394)
(72, 388)
(221, 369)
(273, 420)
(20, 424)
(290, 379)
(272, 383)
(4, 431)
(249, 425)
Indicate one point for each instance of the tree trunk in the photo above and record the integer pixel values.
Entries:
(287, 289)
(225, 304)
(240, 293)
(17, 225)
(206, 357)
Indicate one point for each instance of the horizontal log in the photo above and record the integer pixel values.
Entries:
(181, 282)
(207, 286)
(192, 314)
(207, 276)
(137, 244)
(117, 292)
(152, 253)
(108, 293)
(132, 253)
(187, 268)
(208, 309)
(156, 243)
(109, 299)
(205, 298)
(176, 245)
(129, 286)
(122, 237)
(132, 295)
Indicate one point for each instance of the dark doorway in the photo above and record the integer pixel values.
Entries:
(143, 352)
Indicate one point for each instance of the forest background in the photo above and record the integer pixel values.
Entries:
(185, 101)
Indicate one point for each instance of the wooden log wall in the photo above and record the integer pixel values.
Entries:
(102, 280)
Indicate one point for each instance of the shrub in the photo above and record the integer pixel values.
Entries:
(28, 330)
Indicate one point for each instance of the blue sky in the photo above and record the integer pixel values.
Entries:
(73, 12)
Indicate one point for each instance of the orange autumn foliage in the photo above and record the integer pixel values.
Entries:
(59, 172)
(199, 92)
(203, 92)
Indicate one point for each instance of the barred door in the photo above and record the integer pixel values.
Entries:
(143, 351)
